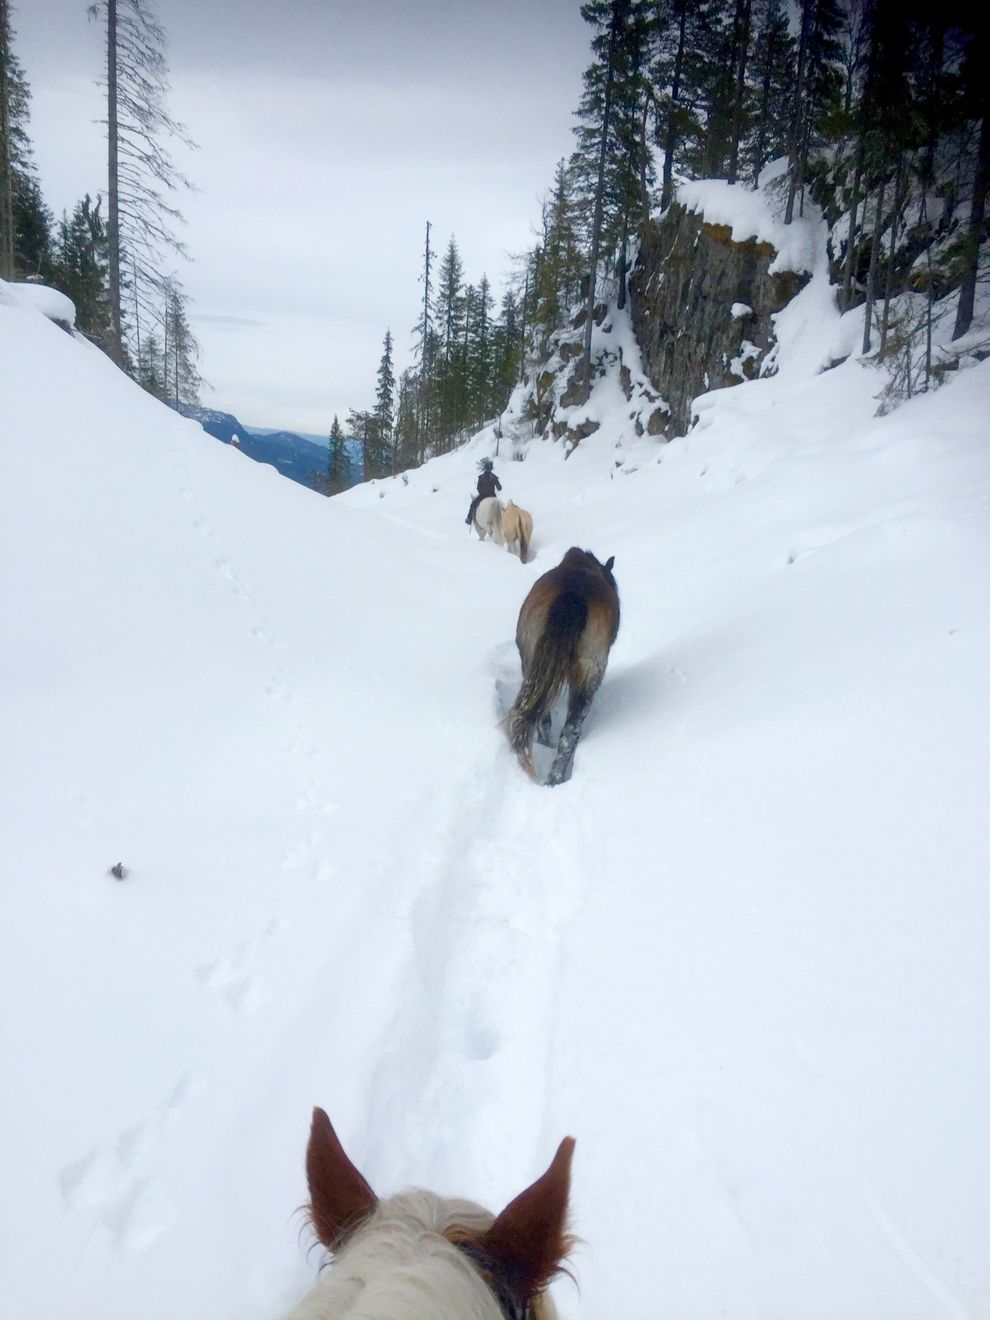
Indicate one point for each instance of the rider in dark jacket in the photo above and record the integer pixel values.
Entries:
(488, 484)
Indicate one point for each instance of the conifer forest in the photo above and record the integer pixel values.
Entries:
(879, 110)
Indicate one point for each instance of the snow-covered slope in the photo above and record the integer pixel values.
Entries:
(741, 956)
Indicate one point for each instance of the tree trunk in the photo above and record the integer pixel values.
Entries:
(522, 335)
(977, 213)
(424, 359)
(743, 15)
(797, 118)
(851, 241)
(622, 272)
(670, 139)
(871, 277)
(6, 152)
(113, 191)
(887, 288)
(596, 223)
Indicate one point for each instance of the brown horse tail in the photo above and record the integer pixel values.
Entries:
(523, 543)
(547, 673)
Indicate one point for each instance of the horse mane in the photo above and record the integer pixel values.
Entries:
(418, 1256)
(405, 1261)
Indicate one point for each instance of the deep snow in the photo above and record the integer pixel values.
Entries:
(742, 956)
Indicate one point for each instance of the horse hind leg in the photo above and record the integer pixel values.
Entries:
(543, 730)
(578, 705)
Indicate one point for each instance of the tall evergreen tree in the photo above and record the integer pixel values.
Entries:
(6, 145)
(25, 221)
(337, 464)
(385, 405)
(607, 159)
(771, 72)
(557, 274)
(142, 180)
(977, 103)
(151, 367)
(182, 378)
(80, 269)
(425, 341)
(817, 89)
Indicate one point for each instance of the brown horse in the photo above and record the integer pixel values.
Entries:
(416, 1255)
(517, 528)
(566, 628)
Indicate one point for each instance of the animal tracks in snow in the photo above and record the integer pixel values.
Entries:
(235, 975)
(310, 855)
(115, 1184)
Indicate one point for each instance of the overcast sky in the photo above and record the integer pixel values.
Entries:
(329, 131)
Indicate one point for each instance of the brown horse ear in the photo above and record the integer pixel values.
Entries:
(528, 1241)
(339, 1197)
(609, 563)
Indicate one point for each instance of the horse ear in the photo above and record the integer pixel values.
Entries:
(528, 1240)
(339, 1197)
(609, 563)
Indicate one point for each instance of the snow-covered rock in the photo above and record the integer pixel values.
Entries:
(49, 302)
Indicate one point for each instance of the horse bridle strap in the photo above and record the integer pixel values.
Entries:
(508, 1301)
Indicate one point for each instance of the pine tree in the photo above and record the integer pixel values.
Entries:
(480, 396)
(337, 463)
(977, 103)
(363, 426)
(447, 384)
(182, 378)
(886, 118)
(385, 406)
(557, 274)
(425, 344)
(151, 367)
(80, 269)
(6, 145)
(607, 162)
(409, 451)
(817, 89)
(773, 58)
(25, 221)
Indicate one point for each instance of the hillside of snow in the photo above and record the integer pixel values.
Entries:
(741, 956)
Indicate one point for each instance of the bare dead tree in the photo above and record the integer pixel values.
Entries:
(142, 179)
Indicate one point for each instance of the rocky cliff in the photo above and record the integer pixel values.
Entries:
(710, 275)
(702, 307)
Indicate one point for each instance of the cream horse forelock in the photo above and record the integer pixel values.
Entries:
(418, 1256)
(488, 520)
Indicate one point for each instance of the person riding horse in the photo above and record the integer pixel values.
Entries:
(488, 484)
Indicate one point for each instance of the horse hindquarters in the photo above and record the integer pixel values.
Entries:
(524, 534)
(548, 641)
(584, 677)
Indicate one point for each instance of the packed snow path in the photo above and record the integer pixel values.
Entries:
(741, 956)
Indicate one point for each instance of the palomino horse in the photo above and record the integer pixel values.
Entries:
(488, 520)
(566, 628)
(517, 529)
(417, 1256)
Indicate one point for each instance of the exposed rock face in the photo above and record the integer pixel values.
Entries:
(701, 308)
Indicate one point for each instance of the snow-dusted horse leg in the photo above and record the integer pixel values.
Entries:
(566, 628)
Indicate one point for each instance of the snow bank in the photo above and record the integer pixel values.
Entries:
(49, 302)
(758, 214)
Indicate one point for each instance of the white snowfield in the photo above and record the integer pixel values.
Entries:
(742, 956)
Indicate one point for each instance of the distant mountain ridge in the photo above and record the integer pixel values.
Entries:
(301, 458)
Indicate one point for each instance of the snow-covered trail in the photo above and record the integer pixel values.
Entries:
(759, 898)
(741, 956)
